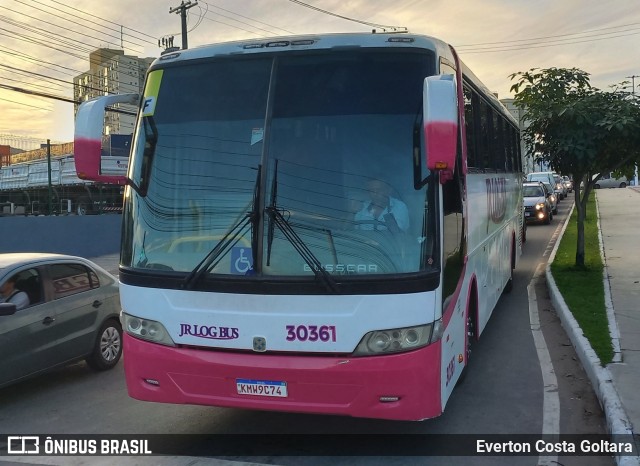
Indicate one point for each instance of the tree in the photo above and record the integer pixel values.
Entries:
(578, 129)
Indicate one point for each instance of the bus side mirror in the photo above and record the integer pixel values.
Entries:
(440, 116)
(88, 137)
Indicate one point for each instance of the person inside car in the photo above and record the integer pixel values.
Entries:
(10, 294)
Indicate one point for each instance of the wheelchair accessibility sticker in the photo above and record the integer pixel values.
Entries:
(241, 261)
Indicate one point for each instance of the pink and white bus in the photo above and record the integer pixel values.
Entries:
(317, 224)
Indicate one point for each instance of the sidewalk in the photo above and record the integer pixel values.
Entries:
(620, 226)
(617, 385)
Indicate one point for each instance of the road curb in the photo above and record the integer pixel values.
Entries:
(614, 331)
(618, 423)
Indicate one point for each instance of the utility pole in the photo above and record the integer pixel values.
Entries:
(182, 9)
(50, 203)
(633, 83)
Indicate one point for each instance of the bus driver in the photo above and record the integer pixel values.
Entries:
(382, 211)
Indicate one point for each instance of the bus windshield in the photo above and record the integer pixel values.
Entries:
(282, 166)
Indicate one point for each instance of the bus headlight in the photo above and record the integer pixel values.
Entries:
(146, 329)
(399, 339)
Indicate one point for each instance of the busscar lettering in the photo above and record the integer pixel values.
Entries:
(211, 332)
(346, 268)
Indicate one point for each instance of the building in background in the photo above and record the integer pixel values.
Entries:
(528, 164)
(112, 72)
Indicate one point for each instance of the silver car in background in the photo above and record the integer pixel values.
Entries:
(568, 183)
(536, 203)
(552, 197)
(559, 187)
(72, 313)
(608, 181)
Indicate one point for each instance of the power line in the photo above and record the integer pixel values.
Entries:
(591, 35)
(48, 44)
(6, 78)
(508, 48)
(366, 23)
(244, 22)
(232, 26)
(246, 17)
(57, 97)
(75, 22)
(107, 21)
(549, 37)
(27, 105)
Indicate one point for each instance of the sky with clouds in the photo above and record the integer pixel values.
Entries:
(44, 43)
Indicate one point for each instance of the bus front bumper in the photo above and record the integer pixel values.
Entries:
(358, 387)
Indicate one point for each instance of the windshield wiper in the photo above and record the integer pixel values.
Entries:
(276, 218)
(228, 241)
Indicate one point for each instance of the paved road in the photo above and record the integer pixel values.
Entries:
(504, 393)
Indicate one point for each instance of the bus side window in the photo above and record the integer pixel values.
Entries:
(486, 133)
(469, 125)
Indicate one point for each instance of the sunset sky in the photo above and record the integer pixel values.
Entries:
(44, 43)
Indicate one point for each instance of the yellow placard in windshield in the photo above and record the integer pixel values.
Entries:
(151, 91)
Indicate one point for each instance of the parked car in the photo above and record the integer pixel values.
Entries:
(608, 181)
(537, 207)
(72, 313)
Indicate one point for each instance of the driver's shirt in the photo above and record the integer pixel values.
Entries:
(396, 207)
(20, 299)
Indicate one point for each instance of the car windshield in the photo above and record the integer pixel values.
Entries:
(532, 191)
(325, 179)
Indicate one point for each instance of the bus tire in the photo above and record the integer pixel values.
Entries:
(107, 348)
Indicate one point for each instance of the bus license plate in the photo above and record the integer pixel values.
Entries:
(261, 388)
(527, 214)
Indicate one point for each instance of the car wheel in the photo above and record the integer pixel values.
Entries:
(596, 186)
(623, 185)
(108, 346)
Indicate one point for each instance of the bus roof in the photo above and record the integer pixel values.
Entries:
(309, 42)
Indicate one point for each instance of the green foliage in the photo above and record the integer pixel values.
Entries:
(577, 129)
(582, 287)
